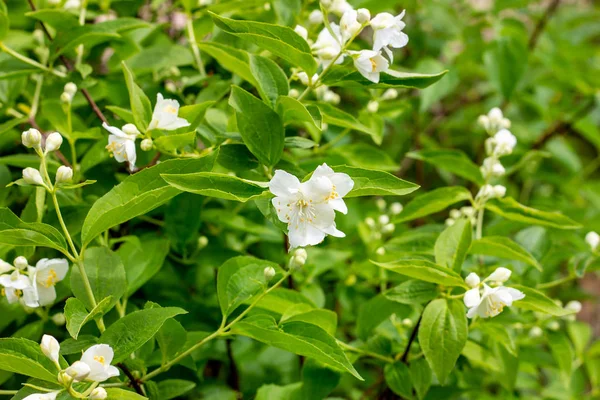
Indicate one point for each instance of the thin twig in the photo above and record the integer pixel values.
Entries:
(413, 336)
(563, 126)
(134, 382)
(539, 27)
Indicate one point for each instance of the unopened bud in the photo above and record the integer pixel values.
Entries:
(64, 174)
(299, 258)
(373, 106)
(130, 129)
(171, 87)
(380, 251)
(553, 325)
(202, 242)
(5, 267)
(363, 15)
(407, 322)
(455, 214)
(20, 263)
(66, 98)
(381, 204)
(315, 17)
(38, 36)
(535, 332)
(301, 31)
(574, 306)
(50, 347)
(269, 273)
(59, 319)
(71, 88)
(32, 176)
(389, 94)
(388, 228)
(384, 219)
(294, 93)
(500, 275)
(396, 208)
(472, 280)
(78, 371)
(53, 142)
(98, 394)
(31, 138)
(146, 144)
(350, 280)
(370, 222)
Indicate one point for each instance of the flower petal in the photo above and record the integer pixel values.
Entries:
(284, 184)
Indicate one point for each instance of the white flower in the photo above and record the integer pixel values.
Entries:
(303, 76)
(165, 114)
(70, 88)
(46, 274)
(31, 138)
(370, 64)
(327, 46)
(78, 371)
(501, 144)
(396, 208)
(593, 239)
(5, 267)
(389, 94)
(121, 145)
(364, 15)
(492, 168)
(32, 176)
(387, 32)
(98, 394)
(42, 396)
(269, 273)
(337, 7)
(491, 302)
(64, 174)
(494, 121)
(50, 348)
(373, 106)
(472, 280)
(300, 30)
(53, 142)
(349, 25)
(315, 17)
(489, 192)
(574, 306)
(72, 5)
(18, 287)
(500, 275)
(98, 358)
(309, 207)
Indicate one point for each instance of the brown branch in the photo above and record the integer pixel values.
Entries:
(413, 336)
(58, 153)
(539, 27)
(563, 126)
(135, 384)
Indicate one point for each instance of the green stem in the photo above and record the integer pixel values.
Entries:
(365, 353)
(194, 45)
(81, 22)
(36, 97)
(479, 229)
(557, 282)
(335, 140)
(30, 61)
(8, 392)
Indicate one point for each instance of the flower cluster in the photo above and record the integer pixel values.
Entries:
(491, 301)
(331, 45)
(69, 92)
(121, 142)
(308, 208)
(501, 143)
(32, 286)
(466, 212)
(94, 366)
(32, 138)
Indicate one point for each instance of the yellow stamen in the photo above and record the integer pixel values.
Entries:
(100, 359)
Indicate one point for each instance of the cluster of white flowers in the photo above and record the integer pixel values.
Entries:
(32, 138)
(333, 40)
(32, 286)
(491, 301)
(94, 366)
(308, 208)
(593, 240)
(466, 212)
(121, 142)
(68, 93)
(501, 142)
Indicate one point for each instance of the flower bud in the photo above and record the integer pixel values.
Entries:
(21, 263)
(472, 280)
(130, 129)
(350, 280)
(389, 94)
(146, 144)
(593, 239)
(363, 15)
(384, 219)
(294, 93)
(299, 258)
(315, 17)
(64, 174)
(380, 251)
(98, 394)
(455, 214)
(59, 319)
(31, 138)
(50, 347)
(553, 325)
(500, 275)
(331, 97)
(407, 322)
(66, 98)
(32, 176)
(388, 228)
(450, 221)
(202, 242)
(38, 36)
(269, 273)
(499, 191)
(381, 204)
(467, 211)
(53, 142)
(373, 106)
(78, 371)
(574, 306)
(5, 267)
(370, 222)
(301, 31)
(70, 88)
(171, 87)
(536, 332)
(396, 208)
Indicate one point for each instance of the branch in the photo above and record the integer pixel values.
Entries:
(562, 126)
(413, 336)
(539, 28)
(132, 380)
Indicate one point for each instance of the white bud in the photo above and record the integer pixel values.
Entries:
(66, 98)
(315, 17)
(389, 94)
(64, 174)
(5, 267)
(146, 144)
(467, 211)
(364, 15)
(50, 347)
(396, 208)
(31, 138)
(299, 258)
(593, 239)
(491, 167)
(331, 97)
(21, 263)
(130, 129)
(78, 371)
(553, 325)
(407, 322)
(370, 222)
(269, 273)
(53, 142)
(38, 36)
(472, 280)
(536, 332)
(500, 275)
(59, 319)
(202, 242)
(380, 251)
(384, 219)
(71, 88)
(32, 176)
(301, 31)
(267, 6)
(373, 106)
(294, 93)
(574, 306)
(450, 221)
(381, 204)
(171, 87)
(98, 394)
(455, 214)
(388, 228)
(499, 191)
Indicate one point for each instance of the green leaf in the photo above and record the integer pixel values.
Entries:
(432, 202)
(122, 394)
(420, 374)
(138, 194)
(281, 300)
(140, 104)
(503, 247)
(279, 40)
(15, 232)
(129, 333)
(106, 276)
(142, 261)
(236, 157)
(233, 60)
(324, 319)
(375, 311)
(174, 388)
(452, 245)
(292, 111)
(194, 113)
(506, 62)
(349, 77)
(260, 126)
(454, 161)
(537, 301)
(481, 357)
(77, 315)
(563, 354)
(299, 142)
(334, 116)
(170, 338)
(443, 334)
(298, 337)
(270, 78)
(397, 377)
(413, 291)
(240, 279)
(171, 143)
(317, 380)
(425, 271)
(4, 25)
(509, 208)
(370, 182)
(212, 184)
(25, 357)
